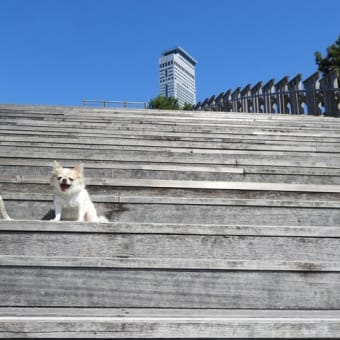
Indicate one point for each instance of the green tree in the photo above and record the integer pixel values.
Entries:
(331, 61)
(188, 107)
(164, 103)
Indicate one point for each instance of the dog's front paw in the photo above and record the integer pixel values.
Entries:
(55, 219)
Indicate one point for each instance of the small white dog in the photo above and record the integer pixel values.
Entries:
(3, 211)
(71, 199)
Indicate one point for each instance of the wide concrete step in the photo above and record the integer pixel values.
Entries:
(187, 202)
(149, 118)
(172, 129)
(186, 156)
(100, 114)
(156, 212)
(123, 323)
(184, 188)
(106, 116)
(123, 143)
(114, 265)
(311, 151)
(140, 137)
(150, 245)
(29, 167)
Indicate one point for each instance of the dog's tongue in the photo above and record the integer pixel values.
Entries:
(64, 187)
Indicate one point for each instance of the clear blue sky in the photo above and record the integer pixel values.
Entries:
(64, 51)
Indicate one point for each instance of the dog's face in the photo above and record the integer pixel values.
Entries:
(67, 180)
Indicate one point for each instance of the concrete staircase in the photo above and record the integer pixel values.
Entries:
(222, 225)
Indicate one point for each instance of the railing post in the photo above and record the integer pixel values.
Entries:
(219, 102)
(245, 98)
(281, 95)
(236, 100)
(295, 95)
(255, 96)
(227, 105)
(211, 104)
(205, 104)
(267, 91)
(311, 85)
(330, 89)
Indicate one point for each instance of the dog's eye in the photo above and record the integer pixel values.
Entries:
(71, 179)
(59, 178)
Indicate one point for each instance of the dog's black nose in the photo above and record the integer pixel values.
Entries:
(64, 181)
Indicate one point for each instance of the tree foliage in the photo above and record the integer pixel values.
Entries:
(164, 103)
(188, 107)
(331, 61)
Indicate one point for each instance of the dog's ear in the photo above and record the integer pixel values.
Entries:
(56, 165)
(57, 168)
(79, 168)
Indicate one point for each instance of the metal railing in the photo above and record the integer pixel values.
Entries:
(115, 104)
(318, 102)
(312, 96)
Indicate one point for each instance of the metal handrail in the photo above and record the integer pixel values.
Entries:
(115, 103)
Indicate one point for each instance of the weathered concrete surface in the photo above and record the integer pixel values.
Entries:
(222, 225)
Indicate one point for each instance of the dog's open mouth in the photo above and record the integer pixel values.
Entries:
(64, 186)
